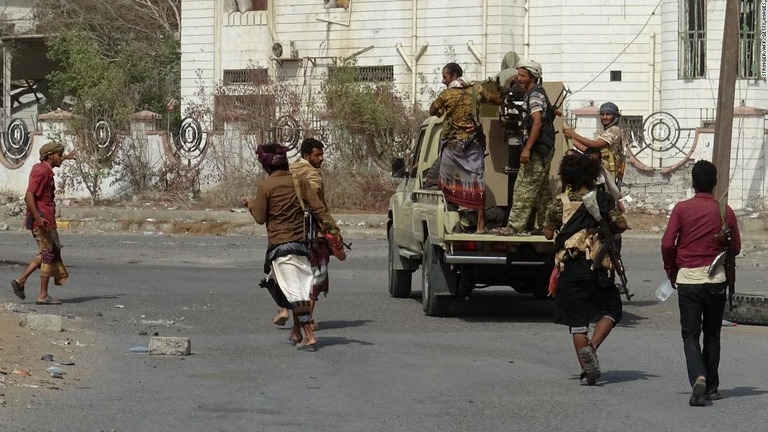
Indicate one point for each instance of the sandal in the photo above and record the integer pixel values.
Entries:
(307, 347)
(49, 301)
(18, 289)
(295, 341)
(315, 325)
(280, 319)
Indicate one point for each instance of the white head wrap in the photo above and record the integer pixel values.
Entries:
(531, 66)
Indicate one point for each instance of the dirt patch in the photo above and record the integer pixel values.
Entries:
(23, 375)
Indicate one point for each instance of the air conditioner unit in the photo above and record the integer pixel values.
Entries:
(284, 51)
(331, 4)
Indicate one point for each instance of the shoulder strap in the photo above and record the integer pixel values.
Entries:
(474, 105)
(298, 190)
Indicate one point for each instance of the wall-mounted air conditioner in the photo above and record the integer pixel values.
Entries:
(284, 51)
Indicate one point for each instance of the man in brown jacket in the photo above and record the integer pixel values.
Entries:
(308, 166)
(279, 203)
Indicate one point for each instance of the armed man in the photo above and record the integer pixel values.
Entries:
(699, 231)
(531, 192)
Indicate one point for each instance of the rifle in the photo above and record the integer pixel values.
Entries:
(609, 244)
(728, 259)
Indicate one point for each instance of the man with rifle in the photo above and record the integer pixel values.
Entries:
(692, 249)
(586, 294)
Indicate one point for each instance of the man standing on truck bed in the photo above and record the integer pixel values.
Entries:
(462, 152)
(531, 191)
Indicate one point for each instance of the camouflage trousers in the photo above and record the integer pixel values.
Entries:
(531, 194)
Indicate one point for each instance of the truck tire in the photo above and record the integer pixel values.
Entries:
(399, 280)
(750, 309)
(436, 273)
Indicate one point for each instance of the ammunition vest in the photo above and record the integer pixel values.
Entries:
(585, 243)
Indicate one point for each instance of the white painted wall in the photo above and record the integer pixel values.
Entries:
(578, 42)
(18, 12)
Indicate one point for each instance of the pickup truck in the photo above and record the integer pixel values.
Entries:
(423, 230)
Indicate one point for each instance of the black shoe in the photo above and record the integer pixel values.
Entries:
(713, 395)
(697, 394)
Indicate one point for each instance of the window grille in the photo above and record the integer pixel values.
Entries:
(692, 53)
(246, 76)
(749, 38)
(370, 73)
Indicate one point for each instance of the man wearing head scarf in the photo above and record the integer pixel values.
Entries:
(41, 220)
(608, 141)
(462, 153)
(531, 193)
(279, 203)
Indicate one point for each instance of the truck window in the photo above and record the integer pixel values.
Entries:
(415, 153)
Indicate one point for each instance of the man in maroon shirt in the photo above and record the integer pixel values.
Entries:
(41, 220)
(689, 246)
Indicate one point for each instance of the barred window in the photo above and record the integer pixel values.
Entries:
(749, 38)
(254, 109)
(254, 76)
(692, 53)
(369, 73)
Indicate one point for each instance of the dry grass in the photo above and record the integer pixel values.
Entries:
(358, 190)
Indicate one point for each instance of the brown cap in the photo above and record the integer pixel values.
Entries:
(51, 148)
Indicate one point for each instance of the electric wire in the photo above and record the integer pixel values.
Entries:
(653, 13)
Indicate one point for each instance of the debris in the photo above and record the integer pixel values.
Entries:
(47, 357)
(139, 349)
(22, 372)
(727, 323)
(67, 363)
(56, 372)
(119, 306)
(143, 333)
(3, 226)
(156, 334)
(237, 210)
(151, 220)
(174, 346)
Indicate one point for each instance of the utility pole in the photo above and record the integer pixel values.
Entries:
(726, 91)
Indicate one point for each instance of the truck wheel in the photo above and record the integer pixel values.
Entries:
(399, 280)
(750, 309)
(435, 273)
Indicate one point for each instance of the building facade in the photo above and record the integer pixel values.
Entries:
(647, 56)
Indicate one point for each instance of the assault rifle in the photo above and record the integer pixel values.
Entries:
(609, 244)
(728, 259)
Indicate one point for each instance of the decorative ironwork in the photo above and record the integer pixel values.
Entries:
(102, 135)
(661, 144)
(15, 142)
(190, 143)
(287, 132)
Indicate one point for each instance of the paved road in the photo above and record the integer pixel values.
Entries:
(497, 365)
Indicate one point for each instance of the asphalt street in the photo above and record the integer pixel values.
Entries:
(498, 364)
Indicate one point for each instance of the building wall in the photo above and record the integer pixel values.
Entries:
(19, 13)
(577, 42)
(581, 41)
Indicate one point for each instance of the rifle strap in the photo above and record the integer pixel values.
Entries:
(298, 191)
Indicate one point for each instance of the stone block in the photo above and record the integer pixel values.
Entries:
(173, 346)
(41, 322)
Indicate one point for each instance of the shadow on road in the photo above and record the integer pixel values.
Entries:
(84, 299)
(621, 376)
(743, 392)
(336, 340)
(339, 324)
(501, 306)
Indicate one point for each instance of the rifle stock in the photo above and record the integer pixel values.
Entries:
(606, 235)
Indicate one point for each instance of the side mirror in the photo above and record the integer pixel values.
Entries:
(398, 167)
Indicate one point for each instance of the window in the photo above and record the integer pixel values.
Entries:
(254, 111)
(615, 75)
(369, 73)
(749, 39)
(255, 76)
(693, 39)
(232, 6)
